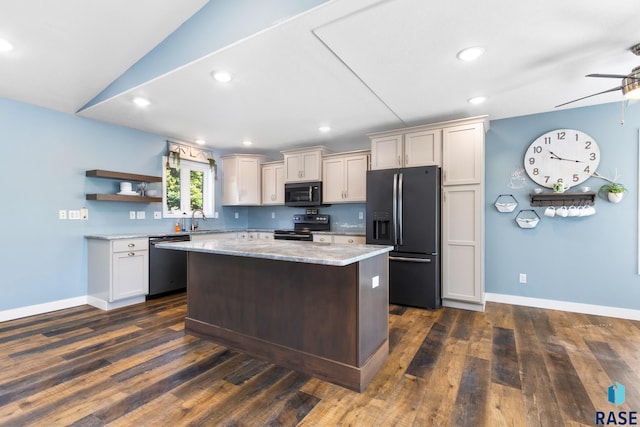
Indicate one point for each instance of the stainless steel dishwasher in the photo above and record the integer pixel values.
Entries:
(167, 268)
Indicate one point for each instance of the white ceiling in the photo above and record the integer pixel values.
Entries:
(356, 65)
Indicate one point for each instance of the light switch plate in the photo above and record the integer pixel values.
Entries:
(84, 214)
(62, 214)
(74, 214)
(140, 215)
(375, 282)
(132, 214)
(157, 215)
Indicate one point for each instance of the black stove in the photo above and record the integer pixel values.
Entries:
(303, 227)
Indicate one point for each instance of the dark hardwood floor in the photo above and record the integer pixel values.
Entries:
(509, 366)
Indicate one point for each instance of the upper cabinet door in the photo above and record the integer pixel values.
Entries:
(422, 148)
(300, 166)
(386, 152)
(463, 154)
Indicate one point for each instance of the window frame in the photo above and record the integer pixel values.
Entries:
(208, 188)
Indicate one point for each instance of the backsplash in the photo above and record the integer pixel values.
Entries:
(344, 217)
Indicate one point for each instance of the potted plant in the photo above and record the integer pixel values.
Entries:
(614, 191)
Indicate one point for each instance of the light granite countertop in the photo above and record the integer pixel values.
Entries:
(284, 250)
(142, 235)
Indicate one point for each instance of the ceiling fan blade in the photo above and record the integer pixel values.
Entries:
(589, 96)
(615, 76)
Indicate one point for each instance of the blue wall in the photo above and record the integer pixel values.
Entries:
(592, 260)
(46, 154)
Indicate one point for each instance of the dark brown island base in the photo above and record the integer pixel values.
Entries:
(317, 308)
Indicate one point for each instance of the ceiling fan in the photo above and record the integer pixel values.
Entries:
(630, 84)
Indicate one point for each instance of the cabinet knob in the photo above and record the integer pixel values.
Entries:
(131, 254)
(131, 245)
(399, 162)
(350, 240)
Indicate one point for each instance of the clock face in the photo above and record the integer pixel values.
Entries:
(562, 155)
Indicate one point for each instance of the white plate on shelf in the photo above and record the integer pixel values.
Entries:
(127, 193)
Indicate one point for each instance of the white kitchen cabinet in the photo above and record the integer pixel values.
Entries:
(349, 239)
(247, 235)
(462, 247)
(463, 154)
(241, 180)
(264, 235)
(118, 272)
(416, 146)
(344, 177)
(273, 183)
(339, 238)
(303, 164)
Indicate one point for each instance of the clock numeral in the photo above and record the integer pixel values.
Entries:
(587, 170)
(536, 171)
(547, 140)
(532, 160)
(561, 135)
(546, 178)
(576, 178)
(537, 149)
(560, 180)
(592, 156)
(587, 145)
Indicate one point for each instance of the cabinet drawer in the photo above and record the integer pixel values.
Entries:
(323, 238)
(354, 240)
(130, 245)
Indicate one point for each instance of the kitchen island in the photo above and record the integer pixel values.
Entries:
(317, 308)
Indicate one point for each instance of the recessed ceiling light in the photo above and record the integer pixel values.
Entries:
(200, 141)
(476, 100)
(141, 102)
(221, 76)
(5, 46)
(470, 53)
(324, 129)
(247, 143)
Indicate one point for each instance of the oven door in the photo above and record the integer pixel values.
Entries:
(303, 194)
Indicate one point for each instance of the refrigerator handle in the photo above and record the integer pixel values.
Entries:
(395, 209)
(400, 210)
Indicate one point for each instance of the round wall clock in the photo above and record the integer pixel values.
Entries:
(562, 155)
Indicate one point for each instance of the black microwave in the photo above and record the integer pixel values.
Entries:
(303, 193)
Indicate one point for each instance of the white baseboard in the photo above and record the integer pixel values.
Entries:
(32, 310)
(462, 305)
(598, 310)
(106, 305)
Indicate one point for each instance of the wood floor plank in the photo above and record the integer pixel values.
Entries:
(504, 361)
(471, 400)
(509, 366)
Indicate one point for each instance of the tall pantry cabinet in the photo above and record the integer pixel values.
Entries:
(458, 147)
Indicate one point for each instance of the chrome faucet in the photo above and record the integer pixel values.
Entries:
(194, 223)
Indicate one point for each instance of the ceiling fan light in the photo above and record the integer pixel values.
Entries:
(631, 86)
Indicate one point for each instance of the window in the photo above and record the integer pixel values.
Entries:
(187, 187)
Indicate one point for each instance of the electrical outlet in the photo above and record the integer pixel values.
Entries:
(73, 214)
(273, 215)
(375, 282)
(215, 215)
(360, 215)
(157, 215)
(140, 215)
(84, 214)
(523, 278)
(132, 214)
(62, 214)
(237, 215)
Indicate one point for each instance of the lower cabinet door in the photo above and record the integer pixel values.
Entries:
(130, 274)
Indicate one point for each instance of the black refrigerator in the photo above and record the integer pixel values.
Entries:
(403, 211)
